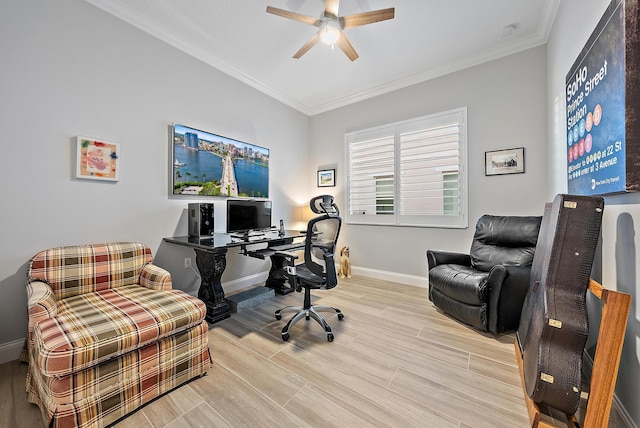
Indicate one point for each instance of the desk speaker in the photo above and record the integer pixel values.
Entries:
(200, 220)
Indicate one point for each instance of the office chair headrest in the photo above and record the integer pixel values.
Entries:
(324, 204)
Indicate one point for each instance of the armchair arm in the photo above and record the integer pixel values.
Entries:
(507, 298)
(435, 258)
(41, 304)
(155, 277)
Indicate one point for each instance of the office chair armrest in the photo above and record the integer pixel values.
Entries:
(332, 277)
(287, 255)
(290, 269)
(435, 258)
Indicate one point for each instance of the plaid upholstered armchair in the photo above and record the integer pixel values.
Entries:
(107, 333)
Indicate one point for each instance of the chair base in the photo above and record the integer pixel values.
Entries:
(310, 312)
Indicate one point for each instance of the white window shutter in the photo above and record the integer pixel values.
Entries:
(423, 160)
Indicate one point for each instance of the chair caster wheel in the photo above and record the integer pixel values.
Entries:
(278, 317)
(340, 316)
(285, 336)
(330, 337)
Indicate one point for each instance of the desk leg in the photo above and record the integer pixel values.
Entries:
(276, 278)
(211, 265)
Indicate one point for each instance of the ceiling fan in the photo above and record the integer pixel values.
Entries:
(331, 26)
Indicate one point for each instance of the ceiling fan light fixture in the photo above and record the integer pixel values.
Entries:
(329, 32)
(330, 26)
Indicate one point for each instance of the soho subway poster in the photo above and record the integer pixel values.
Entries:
(595, 94)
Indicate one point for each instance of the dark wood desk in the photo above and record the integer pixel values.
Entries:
(211, 259)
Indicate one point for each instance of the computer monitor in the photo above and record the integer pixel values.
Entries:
(245, 215)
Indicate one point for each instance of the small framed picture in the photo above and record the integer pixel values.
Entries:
(97, 159)
(326, 178)
(500, 162)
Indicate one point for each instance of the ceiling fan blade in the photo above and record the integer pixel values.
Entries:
(295, 16)
(365, 18)
(331, 7)
(345, 45)
(310, 43)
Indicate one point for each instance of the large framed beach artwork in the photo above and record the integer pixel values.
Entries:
(207, 164)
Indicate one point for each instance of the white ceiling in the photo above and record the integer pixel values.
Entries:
(427, 38)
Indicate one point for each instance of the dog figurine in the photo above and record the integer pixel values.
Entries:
(345, 264)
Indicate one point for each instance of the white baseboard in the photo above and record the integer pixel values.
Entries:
(11, 350)
(403, 278)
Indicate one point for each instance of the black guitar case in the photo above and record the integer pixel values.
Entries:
(554, 325)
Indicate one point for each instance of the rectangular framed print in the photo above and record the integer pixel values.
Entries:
(97, 159)
(500, 162)
(326, 178)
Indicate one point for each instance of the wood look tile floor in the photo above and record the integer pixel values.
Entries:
(396, 361)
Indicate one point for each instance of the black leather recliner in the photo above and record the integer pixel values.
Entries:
(486, 288)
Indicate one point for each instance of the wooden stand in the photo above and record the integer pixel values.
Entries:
(613, 325)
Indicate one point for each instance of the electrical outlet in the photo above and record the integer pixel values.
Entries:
(187, 262)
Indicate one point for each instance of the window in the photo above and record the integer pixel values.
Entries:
(450, 193)
(411, 173)
(384, 194)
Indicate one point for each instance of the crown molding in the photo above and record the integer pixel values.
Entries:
(139, 21)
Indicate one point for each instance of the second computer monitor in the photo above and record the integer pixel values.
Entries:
(244, 215)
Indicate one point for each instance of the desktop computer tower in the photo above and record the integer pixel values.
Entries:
(200, 220)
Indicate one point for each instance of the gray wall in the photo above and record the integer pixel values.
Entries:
(505, 102)
(68, 69)
(619, 255)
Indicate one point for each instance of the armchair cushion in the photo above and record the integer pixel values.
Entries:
(462, 283)
(95, 327)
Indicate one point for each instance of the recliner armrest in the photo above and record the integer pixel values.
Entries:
(507, 298)
(435, 258)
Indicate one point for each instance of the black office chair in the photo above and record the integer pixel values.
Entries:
(318, 269)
